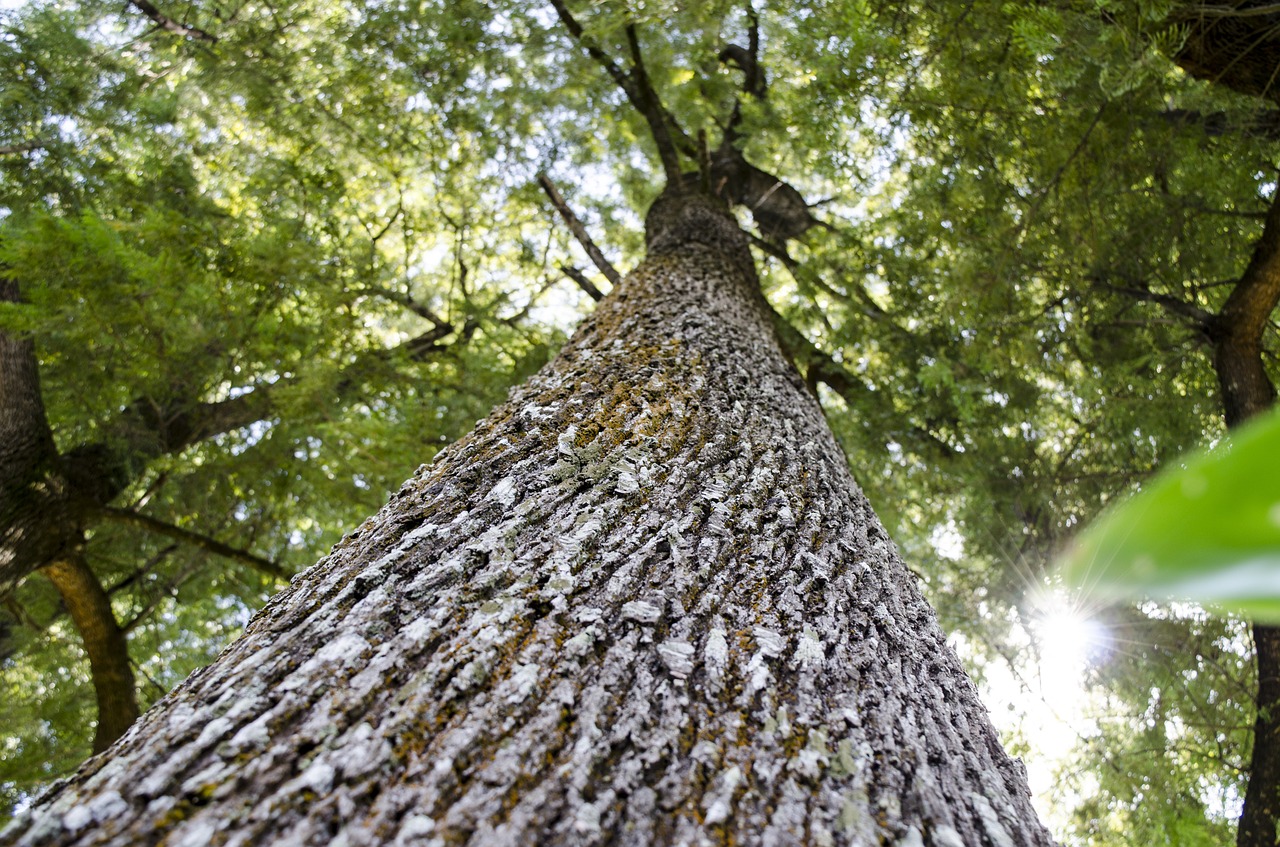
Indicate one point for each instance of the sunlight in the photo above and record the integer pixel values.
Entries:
(1066, 637)
(1044, 703)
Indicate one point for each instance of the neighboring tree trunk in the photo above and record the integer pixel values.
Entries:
(32, 497)
(41, 527)
(1237, 332)
(642, 603)
(104, 642)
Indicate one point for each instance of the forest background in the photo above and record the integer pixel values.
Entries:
(273, 256)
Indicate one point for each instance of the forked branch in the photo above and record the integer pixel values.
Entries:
(667, 134)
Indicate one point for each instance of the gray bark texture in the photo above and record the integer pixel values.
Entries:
(642, 603)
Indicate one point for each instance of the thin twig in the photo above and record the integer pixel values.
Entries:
(168, 24)
(585, 284)
(420, 309)
(1176, 305)
(1232, 12)
(141, 521)
(579, 231)
(22, 147)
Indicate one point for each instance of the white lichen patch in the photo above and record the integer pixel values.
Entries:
(317, 778)
(678, 657)
(522, 683)
(716, 654)
(414, 830)
(809, 651)
(995, 830)
(719, 803)
(504, 491)
(627, 483)
(947, 836)
(588, 614)
(912, 838)
(770, 643)
(642, 611)
(580, 644)
(565, 442)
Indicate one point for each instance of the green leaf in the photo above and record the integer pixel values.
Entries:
(1208, 532)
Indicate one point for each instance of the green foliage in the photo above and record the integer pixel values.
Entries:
(1014, 186)
(1167, 761)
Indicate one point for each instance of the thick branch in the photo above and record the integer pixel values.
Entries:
(104, 642)
(145, 430)
(1237, 47)
(32, 496)
(1238, 328)
(168, 24)
(1252, 301)
(579, 231)
(204, 542)
(651, 107)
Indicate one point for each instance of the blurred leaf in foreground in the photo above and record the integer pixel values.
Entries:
(1207, 531)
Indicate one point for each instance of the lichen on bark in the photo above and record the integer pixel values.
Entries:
(642, 603)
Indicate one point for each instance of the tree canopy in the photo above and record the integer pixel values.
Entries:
(272, 256)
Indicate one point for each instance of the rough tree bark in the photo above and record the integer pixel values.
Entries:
(642, 603)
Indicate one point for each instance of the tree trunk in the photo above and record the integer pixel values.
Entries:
(33, 497)
(1237, 331)
(642, 603)
(104, 643)
(1262, 798)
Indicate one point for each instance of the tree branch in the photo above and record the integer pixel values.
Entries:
(818, 366)
(1251, 302)
(204, 542)
(168, 590)
(1261, 123)
(651, 107)
(21, 147)
(1200, 318)
(602, 58)
(579, 231)
(779, 253)
(422, 346)
(1232, 11)
(639, 90)
(418, 308)
(104, 642)
(168, 24)
(581, 279)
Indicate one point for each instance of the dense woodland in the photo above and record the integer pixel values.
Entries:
(270, 258)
